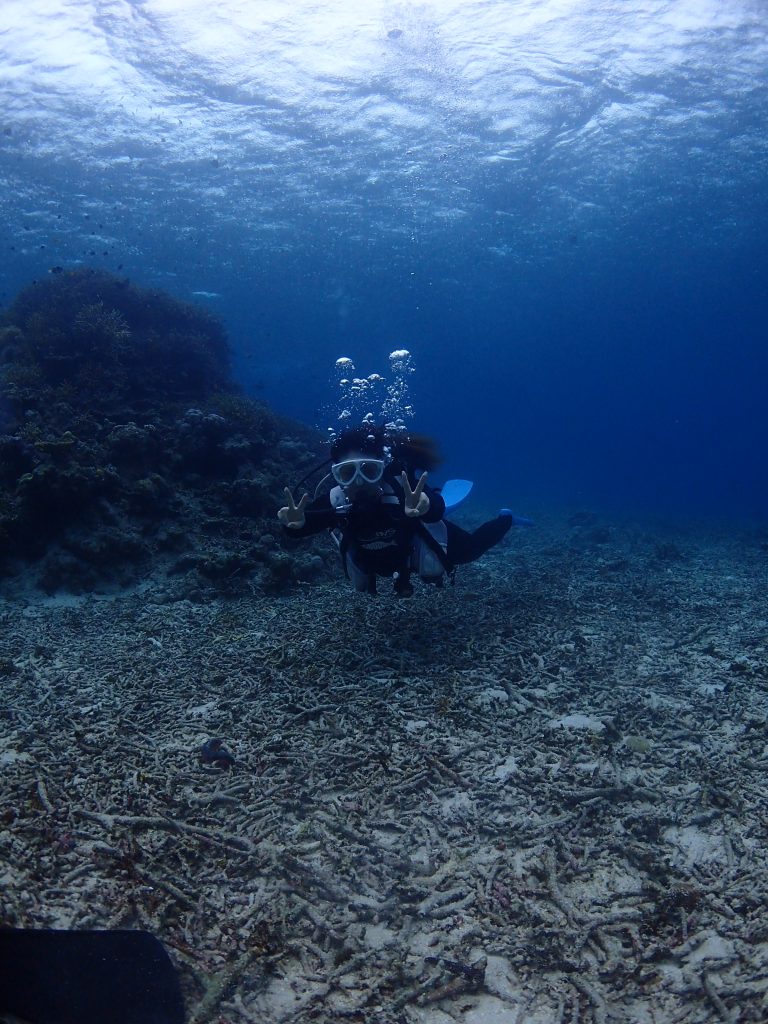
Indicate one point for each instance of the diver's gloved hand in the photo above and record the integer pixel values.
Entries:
(416, 501)
(291, 514)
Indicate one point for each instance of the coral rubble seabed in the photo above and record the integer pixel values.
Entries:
(536, 796)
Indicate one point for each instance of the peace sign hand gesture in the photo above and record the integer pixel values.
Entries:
(292, 515)
(416, 501)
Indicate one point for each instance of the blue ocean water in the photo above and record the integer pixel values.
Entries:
(559, 208)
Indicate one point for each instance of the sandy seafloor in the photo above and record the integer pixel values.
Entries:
(539, 795)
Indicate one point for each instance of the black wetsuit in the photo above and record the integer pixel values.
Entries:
(374, 528)
(379, 537)
(465, 547)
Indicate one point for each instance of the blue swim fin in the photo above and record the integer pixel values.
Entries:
(517, 520)
(455, 492)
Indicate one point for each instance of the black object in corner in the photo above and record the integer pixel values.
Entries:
(87, 977)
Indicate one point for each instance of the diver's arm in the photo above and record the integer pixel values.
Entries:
(315, 517)
(436, 509)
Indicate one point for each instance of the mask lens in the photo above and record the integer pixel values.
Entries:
(345, 472)
(371, 470)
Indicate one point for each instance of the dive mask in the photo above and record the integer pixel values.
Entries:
(350, 471)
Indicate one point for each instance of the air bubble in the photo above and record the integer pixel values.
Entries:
(357, 396)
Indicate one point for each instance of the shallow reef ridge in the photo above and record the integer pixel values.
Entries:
(126, 446)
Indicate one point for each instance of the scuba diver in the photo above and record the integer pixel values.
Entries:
(386, 520)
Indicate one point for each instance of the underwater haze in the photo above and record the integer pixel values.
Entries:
(558, 207)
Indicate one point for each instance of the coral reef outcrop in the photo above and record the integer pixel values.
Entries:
(126, 447)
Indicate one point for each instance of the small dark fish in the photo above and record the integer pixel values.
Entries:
(56, 270)
(214, 752)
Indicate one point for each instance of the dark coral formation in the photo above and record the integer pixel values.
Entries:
(125, 445)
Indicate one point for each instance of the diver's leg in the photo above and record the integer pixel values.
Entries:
(403, 585)
(465, 547)
(363, 582)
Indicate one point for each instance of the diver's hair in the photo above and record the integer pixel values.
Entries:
(410, 451)
(416, 451)
(368, 439)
